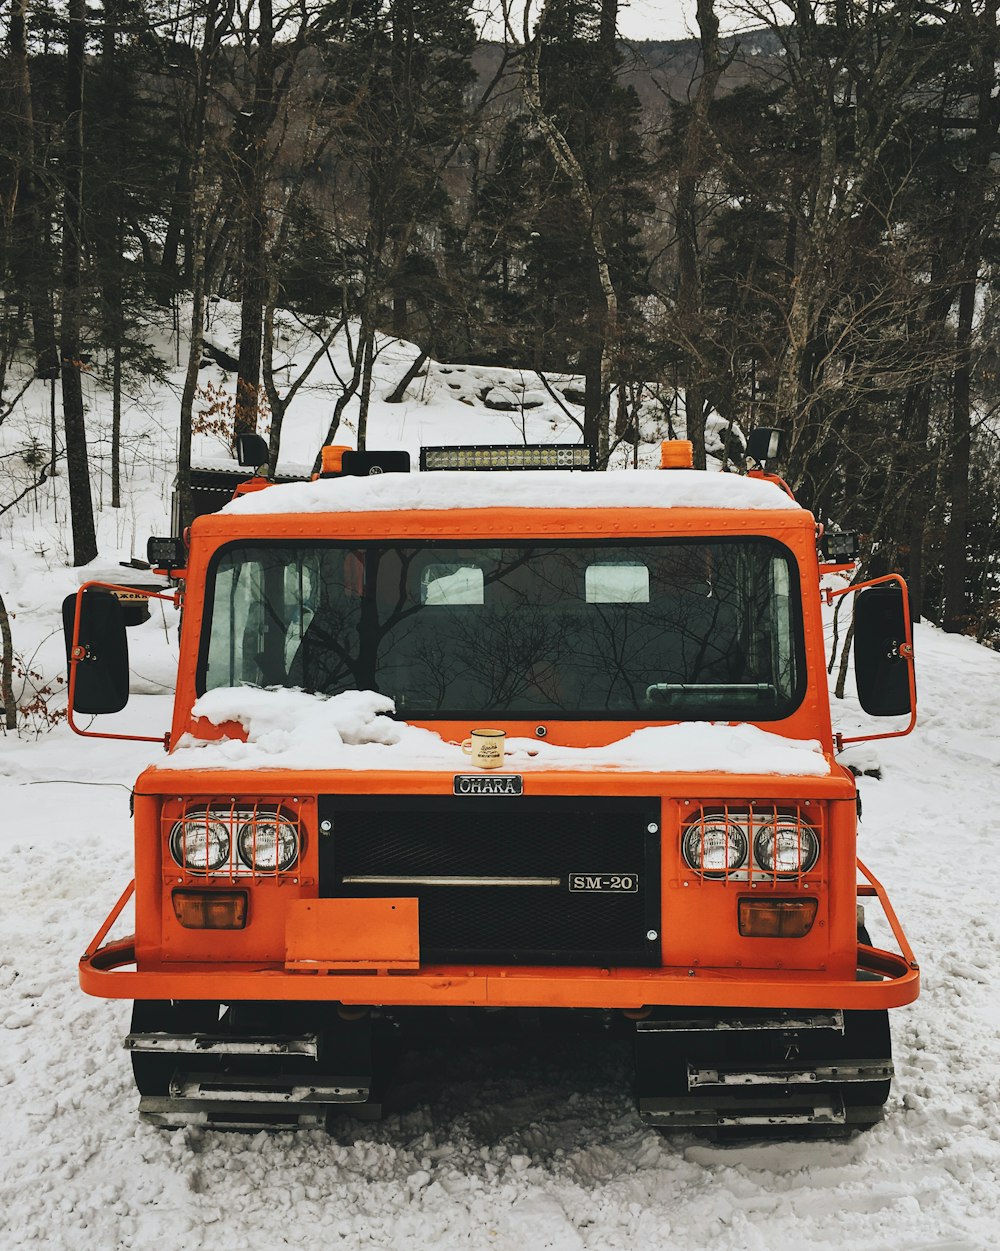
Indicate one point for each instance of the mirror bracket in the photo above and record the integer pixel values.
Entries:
(78, 652)
(904, 650)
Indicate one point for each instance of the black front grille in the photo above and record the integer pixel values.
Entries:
(522, 854)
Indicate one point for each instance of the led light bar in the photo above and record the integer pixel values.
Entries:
(509, 456)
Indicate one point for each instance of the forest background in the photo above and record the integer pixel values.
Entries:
(793, 225)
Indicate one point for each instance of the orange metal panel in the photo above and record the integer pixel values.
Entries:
(377, 934)
(688, 787)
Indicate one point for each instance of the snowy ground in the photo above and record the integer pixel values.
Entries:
(505, 1146)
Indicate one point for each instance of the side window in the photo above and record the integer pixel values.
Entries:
(617, 584)
(451, 584)
(237, 622)
(782, 640)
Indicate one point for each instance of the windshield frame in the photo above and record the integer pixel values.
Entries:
(703, 712)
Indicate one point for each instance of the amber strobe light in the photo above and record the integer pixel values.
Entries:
(776, 918)
(676, 454)
(211, 909)
(331, 458)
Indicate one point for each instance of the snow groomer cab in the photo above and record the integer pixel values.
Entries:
(504, 734)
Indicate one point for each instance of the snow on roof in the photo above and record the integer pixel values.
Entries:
(544, 488)
(290, 729)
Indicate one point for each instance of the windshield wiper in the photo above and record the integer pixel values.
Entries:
(672, 693)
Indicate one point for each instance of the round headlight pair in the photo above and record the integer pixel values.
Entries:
(203, 842)
(717, 846)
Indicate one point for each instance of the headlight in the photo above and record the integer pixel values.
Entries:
(715, 845)
(786, 846)
(267, 844)
(200, 842)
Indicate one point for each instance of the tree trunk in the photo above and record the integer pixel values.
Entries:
(364, 402)
(7, 670)
(30, 261)
(81, 503)
(178, 223)
(690, 310)
(569, 165)
(250, 155)
(218, 16)
(109, 229)
(399, 390)
(954, 616)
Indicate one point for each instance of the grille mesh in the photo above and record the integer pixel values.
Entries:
(546, 840)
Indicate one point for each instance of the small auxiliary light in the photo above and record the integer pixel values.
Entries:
(509, 456)
(210, 909)
(676, 454)
(776, 918)
(839, 547)
(166, 553)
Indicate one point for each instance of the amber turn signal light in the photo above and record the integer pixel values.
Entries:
(776, 918)
(211, 909)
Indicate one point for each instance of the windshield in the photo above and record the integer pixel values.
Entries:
(658, 630)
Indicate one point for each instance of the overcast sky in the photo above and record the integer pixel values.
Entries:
(657, 19)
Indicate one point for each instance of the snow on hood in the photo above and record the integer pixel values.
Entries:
(393, 492)
(290, 729)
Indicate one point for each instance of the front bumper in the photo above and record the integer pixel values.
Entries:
(104, 972)
(884, 980)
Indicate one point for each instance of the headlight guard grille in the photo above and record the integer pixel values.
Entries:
(782, 841)
(229, 839)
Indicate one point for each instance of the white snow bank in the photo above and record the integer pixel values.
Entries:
(544, 488)
(294, 730)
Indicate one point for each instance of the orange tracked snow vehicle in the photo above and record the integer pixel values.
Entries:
(669, 841)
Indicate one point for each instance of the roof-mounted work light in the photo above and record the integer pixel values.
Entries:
(839, 547)
(509, 456)
(166, 553)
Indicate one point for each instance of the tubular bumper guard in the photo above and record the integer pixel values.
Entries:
(893, 980)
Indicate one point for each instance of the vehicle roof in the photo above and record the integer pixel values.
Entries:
(534, 489)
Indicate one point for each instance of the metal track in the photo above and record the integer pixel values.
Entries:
(196, 1066)
(761, 1072)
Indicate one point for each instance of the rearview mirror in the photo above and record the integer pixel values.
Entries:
(101, 684)
(881, 640)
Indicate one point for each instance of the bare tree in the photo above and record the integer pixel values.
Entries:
(217, 21)
(690, 312)
(526, 34)
(81, 503)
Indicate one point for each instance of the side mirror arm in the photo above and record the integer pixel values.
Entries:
(78, 653)
(904, 652)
